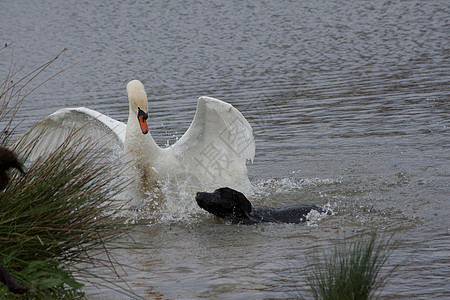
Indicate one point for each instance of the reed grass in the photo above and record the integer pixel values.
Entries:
(62, 211)
(352, 271)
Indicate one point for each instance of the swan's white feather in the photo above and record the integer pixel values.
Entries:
(86, 123)
(218, 143)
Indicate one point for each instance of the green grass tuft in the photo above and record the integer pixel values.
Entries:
(351, 271)
(60, 212)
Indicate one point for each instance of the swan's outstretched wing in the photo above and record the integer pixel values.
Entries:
(217, 144)
(87, 124)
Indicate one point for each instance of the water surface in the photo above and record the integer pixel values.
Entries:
(349, 102)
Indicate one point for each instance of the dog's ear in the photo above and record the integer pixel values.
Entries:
(242, 203)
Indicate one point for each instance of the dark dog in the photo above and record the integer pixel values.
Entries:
(234, 207)
(9, 160)
(11, 283)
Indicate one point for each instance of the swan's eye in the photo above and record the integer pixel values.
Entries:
(142, 113)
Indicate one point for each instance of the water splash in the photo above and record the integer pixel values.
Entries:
(173, 201)
(314, 217)
(287, 187)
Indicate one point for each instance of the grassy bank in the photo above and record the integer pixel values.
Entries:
(62, 210)
(352, 271)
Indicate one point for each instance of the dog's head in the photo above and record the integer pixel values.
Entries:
(225, 203)
(8, 160)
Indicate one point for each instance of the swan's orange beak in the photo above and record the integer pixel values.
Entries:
(142, 117)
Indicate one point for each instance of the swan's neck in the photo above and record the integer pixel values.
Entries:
(143, 146)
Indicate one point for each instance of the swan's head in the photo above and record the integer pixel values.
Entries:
(138, 103)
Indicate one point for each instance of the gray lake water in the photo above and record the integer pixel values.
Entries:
(349, 102)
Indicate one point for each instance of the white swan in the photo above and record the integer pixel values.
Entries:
(214, 149)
